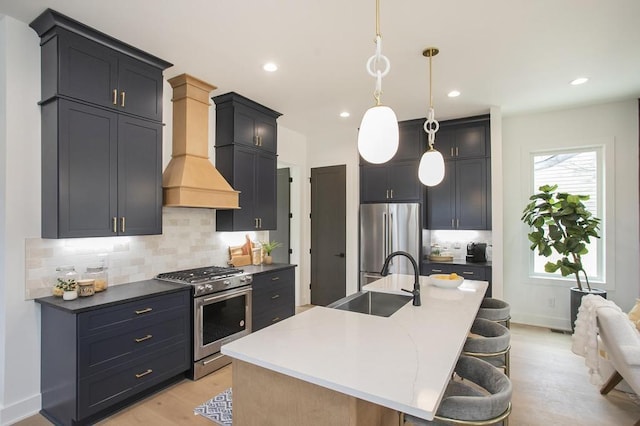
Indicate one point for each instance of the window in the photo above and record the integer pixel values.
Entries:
(577, 171)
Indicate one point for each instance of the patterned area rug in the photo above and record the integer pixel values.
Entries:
(217, 409)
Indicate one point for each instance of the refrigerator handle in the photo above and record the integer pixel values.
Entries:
(385, 231)
(390, 238)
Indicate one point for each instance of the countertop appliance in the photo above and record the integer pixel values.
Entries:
(221, 312)
(476, 252)
(384, 229)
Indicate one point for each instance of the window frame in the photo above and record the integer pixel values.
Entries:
(605, 210)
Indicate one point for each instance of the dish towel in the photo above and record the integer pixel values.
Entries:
(585, 335)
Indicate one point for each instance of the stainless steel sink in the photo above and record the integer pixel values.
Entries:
(372, 303)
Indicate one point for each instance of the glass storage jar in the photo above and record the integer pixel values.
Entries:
(85, 287)
(66, 280)
(99, 276)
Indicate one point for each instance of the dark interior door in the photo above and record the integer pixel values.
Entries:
(282, 232)
(328, 234)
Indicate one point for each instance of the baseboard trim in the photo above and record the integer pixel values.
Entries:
(553, 323)
(20, 410)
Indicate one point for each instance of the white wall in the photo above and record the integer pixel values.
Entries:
(546, 302)
(21, 340)
(292, 153)
(3, 201)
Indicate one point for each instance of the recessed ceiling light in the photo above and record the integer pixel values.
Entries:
(453, 94)
(270, 67)
(579, 81)
(344, 114)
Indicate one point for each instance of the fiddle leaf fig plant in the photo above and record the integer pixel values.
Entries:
(561, 222)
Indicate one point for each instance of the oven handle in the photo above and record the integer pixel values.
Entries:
(227, 295)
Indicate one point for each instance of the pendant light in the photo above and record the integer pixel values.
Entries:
(378, 134)
(431, 169)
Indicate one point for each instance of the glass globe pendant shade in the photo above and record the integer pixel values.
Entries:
(378, 135)
(431, 169)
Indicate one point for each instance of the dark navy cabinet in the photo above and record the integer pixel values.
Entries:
(396, 180)
(479, 272)
(246, 146)
(273, 297)
(463, 199)
(101, 133)
(97, 359)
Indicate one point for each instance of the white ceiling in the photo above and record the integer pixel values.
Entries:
(516, 54)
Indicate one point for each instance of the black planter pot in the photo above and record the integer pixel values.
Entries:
(576, 300)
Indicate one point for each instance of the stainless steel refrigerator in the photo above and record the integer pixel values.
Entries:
(385, 228)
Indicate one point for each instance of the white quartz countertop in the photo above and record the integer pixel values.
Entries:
(403, 362)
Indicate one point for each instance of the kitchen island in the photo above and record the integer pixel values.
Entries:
(329, 366)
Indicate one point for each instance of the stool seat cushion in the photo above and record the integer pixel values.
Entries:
(483, 374)
(494, 309)
(490, 337)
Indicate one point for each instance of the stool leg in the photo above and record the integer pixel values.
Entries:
(507, 369)
(611, 383)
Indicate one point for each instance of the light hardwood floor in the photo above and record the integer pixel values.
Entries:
(551, 387)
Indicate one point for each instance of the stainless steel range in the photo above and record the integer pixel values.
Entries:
(222, 312)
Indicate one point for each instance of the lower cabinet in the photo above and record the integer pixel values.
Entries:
(273, 297)
(98, 361)
(469, 272)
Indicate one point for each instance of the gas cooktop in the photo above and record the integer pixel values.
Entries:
(210, 279)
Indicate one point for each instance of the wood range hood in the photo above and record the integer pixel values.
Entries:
(190, 179)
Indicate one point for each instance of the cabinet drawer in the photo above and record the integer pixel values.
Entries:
(267, 279)
(271, 316)
(435, 268)
(98, 320)
(471, 272)
(116, 384)
(122, 344)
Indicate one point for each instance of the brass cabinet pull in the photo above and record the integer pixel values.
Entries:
(260, 223)
(142, 339)
(122, 224)
(452, 223)
(457, 223)
(256, 141)
(275, 319)
(139, 375)
(256, 222)
(122, 95)
(144, 311)
(114, 224)
(452, 151)
(467, 273)
(457, 151)
(387, 196)
(275, 278)
(436, 270)
(115, 96)
(392, 193)
(275, 296)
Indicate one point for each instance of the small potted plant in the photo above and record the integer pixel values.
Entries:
(268, 247)
(562, 223)
(68, 287)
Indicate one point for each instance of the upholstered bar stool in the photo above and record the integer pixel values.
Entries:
(482, 398)
(490, 341)
(495, 310)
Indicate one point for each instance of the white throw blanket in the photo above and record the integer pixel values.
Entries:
(585, 335)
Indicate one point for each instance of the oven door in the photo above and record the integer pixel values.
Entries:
(219, 319)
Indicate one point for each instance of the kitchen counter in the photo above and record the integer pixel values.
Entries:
(426, 260)
(402, 362)
(114, 295)
(257, 269)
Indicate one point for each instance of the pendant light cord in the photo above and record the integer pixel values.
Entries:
(431, 126)
(378, 65)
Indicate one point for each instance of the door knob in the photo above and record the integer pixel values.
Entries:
(339, 255)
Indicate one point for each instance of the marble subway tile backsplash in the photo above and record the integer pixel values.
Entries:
(188, 240)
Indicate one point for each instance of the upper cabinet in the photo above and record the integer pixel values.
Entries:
(396, 180)
(241, 121)
(463, 199)
(462, 140)
(94, 73)
(246, 146)
(101, 133)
